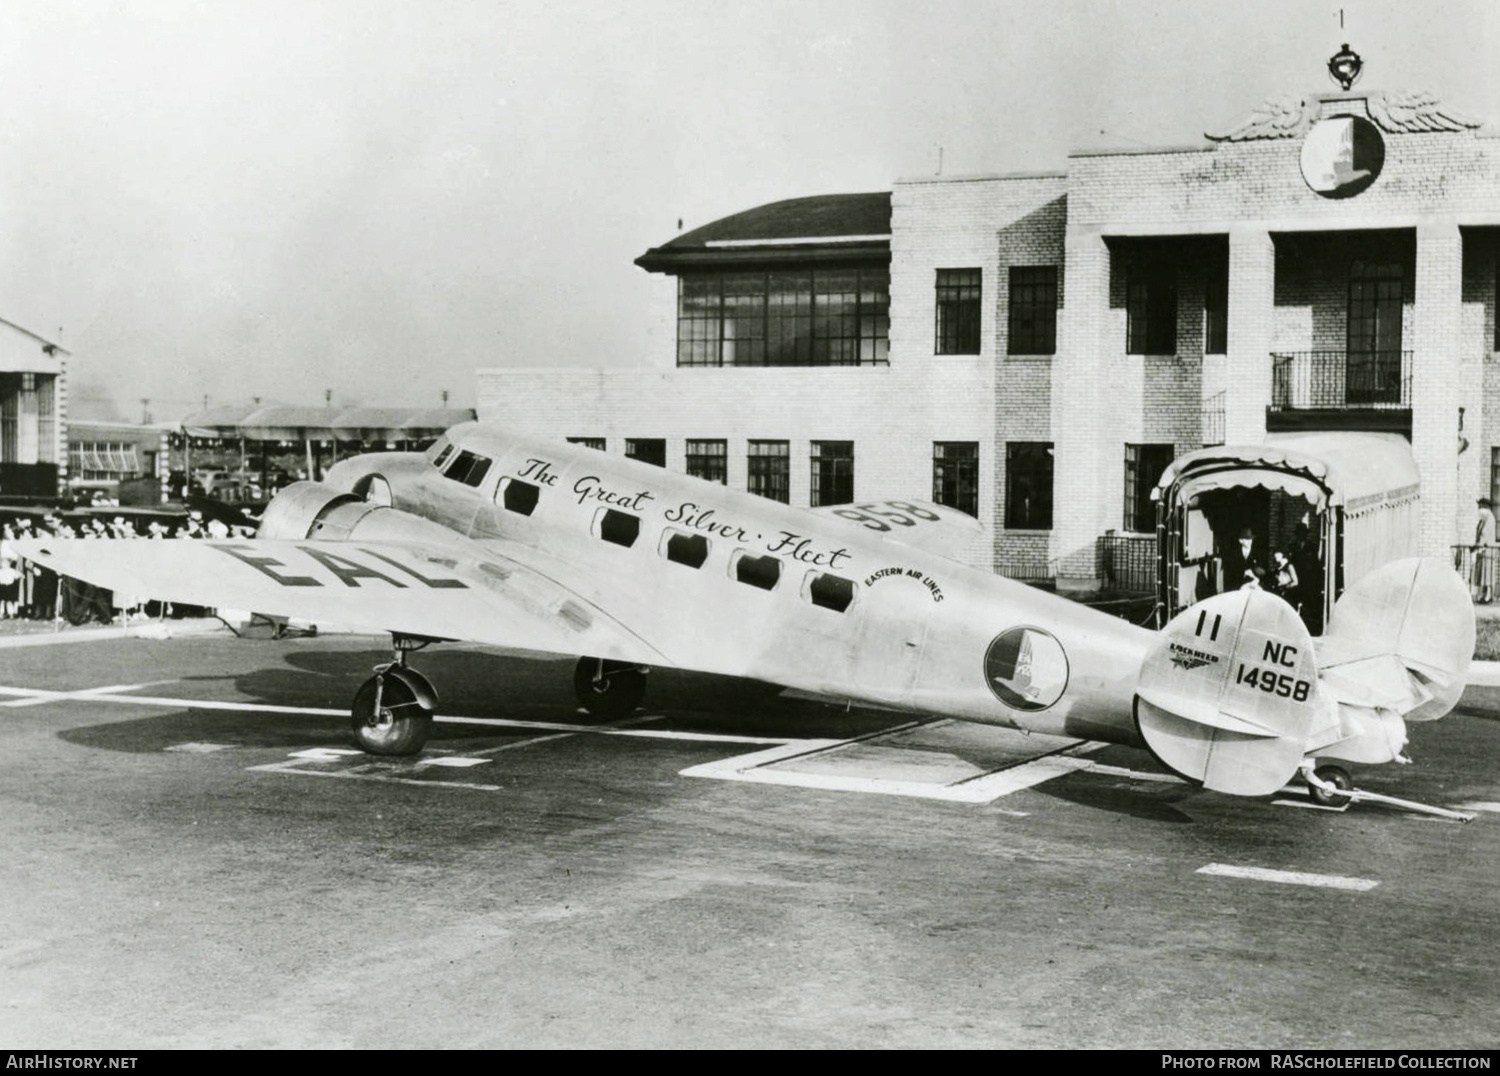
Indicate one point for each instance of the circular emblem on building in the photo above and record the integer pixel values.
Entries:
(1026, 668)
(1342, 156)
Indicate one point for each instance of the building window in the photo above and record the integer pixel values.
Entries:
(1144, 465)
(958, 311)
(1372, 371)
(708, 460)
(651, 450)
(588, 442)
(955, 475)
(770, 470)
(1216, 313)
(1033, 310)
(1151, 313)
(1028, 485)
(832, 473)
(823, 317)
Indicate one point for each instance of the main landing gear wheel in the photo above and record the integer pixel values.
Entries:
(392, 712)
(609, 690)
(1331, 775)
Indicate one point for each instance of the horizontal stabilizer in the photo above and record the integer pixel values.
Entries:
(1414, 620)
(1227, 695)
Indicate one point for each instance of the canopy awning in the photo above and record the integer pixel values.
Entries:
(1342, 468)
(283, 423)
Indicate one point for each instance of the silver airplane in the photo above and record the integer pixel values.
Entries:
(498, 539)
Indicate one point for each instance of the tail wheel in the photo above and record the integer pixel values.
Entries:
(388, 718)
(609, 690)
(1332, 775)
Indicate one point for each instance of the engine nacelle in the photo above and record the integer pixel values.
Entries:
(300, 509)
(315, 510)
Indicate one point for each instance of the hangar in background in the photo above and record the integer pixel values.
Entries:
(33, 413)
(1036, 349)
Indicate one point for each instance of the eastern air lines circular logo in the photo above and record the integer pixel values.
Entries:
(1026, 668)
(1342, 156)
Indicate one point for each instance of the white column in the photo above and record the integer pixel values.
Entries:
(1435, 384)
(1247, 380)
(1082, 448)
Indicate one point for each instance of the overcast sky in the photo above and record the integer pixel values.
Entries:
(240, 199)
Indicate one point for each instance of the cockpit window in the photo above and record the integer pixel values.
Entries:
(438, 454)
(468, 468)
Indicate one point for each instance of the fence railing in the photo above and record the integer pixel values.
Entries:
(1127, 562)
(1340, 380)
(1477, 564)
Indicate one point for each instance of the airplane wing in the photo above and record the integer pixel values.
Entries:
(475, 595)
(921, 524)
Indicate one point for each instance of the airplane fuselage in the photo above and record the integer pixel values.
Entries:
(723, 581)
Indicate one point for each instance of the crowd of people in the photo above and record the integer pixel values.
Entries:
(31, 591)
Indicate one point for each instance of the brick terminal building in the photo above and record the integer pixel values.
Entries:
(1036, 348)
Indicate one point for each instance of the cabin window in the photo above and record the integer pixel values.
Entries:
(468, 467)
(588, 442)
(619, 528)
(829, 591)
(762, 572)
(689, 549)
(517, 496)
(440, 453)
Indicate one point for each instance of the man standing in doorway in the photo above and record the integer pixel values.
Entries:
(1484, 553)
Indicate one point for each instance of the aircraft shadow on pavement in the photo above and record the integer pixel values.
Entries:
(469, 683)
(1155, 803)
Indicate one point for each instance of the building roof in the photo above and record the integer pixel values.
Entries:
(821, 228)
(282, 423)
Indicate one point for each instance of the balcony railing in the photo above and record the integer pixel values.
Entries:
(1212, 420)
(1340, 380)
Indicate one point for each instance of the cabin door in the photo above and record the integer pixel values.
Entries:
(894, 611)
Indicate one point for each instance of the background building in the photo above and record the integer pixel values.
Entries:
(33, 410)
(1037, 348)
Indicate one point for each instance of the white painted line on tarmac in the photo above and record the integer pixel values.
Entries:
(198, 748)
(1263, 874)
(455, 761)
(37, 698)
(113, 693)
(366, 773)
(1480, 805)
(754, 768)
